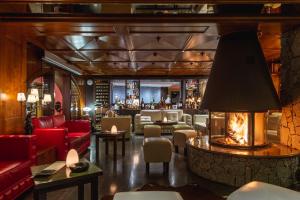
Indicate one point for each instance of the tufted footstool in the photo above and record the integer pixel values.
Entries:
(180, 138)
(157, 149)
(152, 131)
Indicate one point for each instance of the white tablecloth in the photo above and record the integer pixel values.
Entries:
(153, 195)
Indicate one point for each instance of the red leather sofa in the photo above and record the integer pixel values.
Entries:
(63, 134)
(17, 154)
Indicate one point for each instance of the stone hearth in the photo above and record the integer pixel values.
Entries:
(275, 164)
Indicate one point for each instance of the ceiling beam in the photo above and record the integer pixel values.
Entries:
(151, 1)
(123, 32)
(108, 19)
(122, 50)
(74, 49)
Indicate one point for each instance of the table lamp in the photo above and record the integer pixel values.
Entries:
(72, 162)
(114, 129)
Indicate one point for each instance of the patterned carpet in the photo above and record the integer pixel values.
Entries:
(188, 192)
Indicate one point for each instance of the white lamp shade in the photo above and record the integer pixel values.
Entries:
(72, 158)
(47, 98)
(31, 98)
(34, 92)
(165, 119)
(114, 129)
(21, 97)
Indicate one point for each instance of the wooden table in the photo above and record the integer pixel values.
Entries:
(107, 135)
(64, 179)
(166, 126)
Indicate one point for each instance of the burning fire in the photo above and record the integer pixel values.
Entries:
(237, 128)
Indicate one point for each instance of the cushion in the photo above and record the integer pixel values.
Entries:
(180, 113)
(172, 116)
(58, 121)
(154, 114)
(43, 122)
(145, 118)
(13, 171)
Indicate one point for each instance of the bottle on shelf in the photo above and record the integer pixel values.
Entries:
(142, 104)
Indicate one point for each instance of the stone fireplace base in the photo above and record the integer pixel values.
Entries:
(275, 164)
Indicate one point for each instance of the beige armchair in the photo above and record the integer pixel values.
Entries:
(123, 122)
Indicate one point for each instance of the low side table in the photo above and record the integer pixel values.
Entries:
(61, 180)
(107, 135)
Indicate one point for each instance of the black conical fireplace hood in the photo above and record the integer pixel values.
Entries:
(240, 80)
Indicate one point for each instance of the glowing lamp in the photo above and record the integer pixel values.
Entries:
(31, 98)
(34, 92)
(86, 109)
(114, 129)
(21, 97)
(72, 158)
(165, 119)
(47, 98)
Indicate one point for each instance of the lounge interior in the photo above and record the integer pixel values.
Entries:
(173, 100)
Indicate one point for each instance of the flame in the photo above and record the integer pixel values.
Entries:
(237, 128)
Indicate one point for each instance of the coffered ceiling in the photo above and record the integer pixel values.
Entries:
(154, 49)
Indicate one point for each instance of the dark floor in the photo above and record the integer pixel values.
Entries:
(129, 173)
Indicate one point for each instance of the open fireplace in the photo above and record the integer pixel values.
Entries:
(239, 93)
(238, 129)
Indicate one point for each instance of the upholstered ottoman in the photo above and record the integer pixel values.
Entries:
(181, 127)
(180, 138)
(156, 150)
(152, 131)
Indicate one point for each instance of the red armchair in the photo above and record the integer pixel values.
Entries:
(17, 154)
(64, 135)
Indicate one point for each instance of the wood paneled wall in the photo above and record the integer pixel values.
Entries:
(12, 80)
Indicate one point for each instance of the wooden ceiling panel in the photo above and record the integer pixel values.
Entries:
(203, 41)
(52, 43)
(78, 41)
(111, 41)
(159, 41)
(149, 49)
(107, 56)
(70, 56)
(153, 56)
(197, 56)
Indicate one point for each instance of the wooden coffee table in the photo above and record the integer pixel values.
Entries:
(166, 127)
(61, 180)
(107, 135)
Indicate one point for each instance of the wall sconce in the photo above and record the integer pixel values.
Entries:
(3, 96)
(114, 129)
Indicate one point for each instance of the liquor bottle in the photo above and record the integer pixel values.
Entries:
(142, 104)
